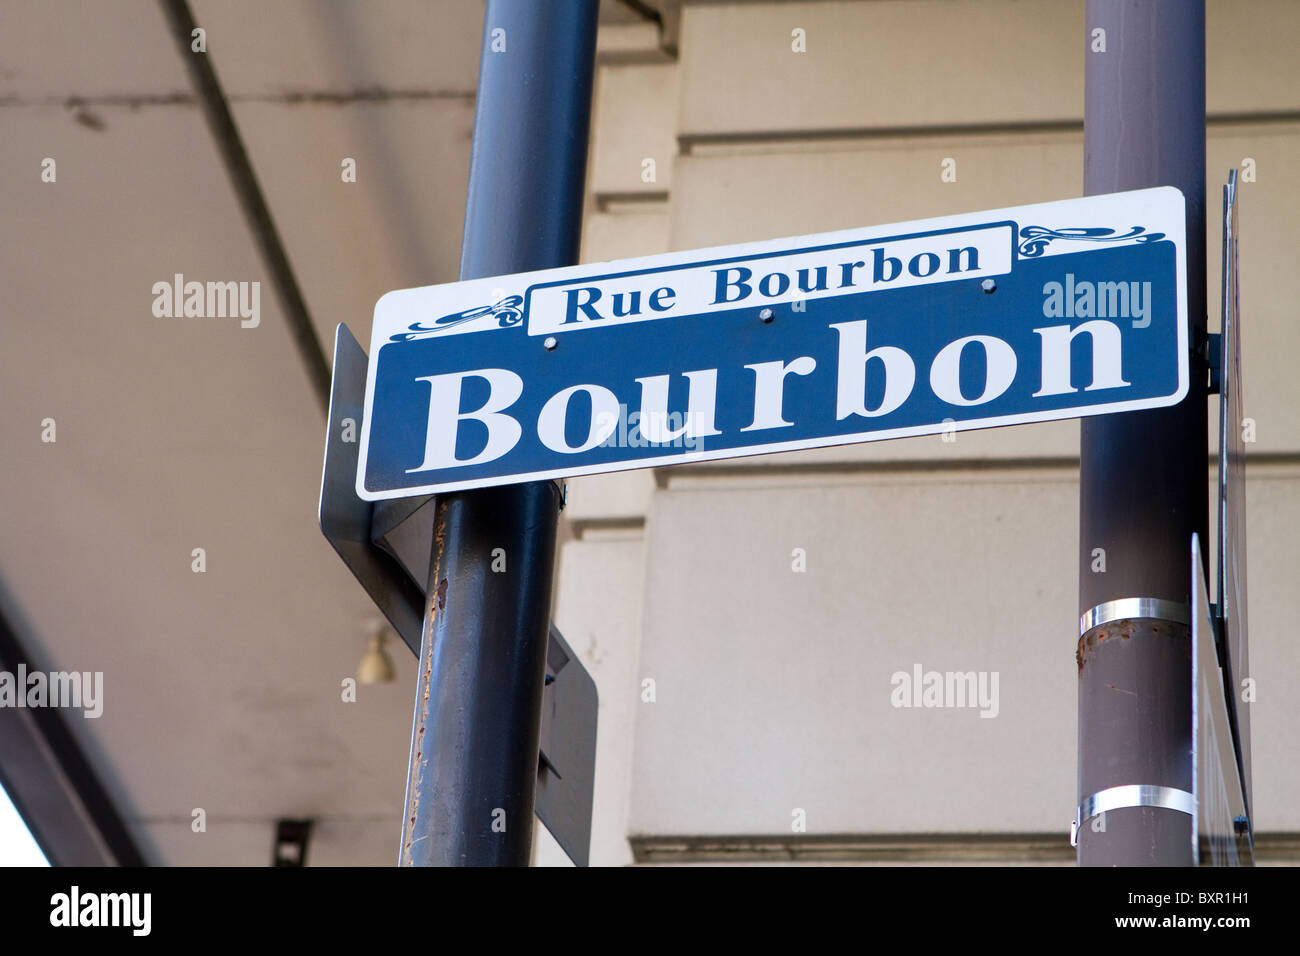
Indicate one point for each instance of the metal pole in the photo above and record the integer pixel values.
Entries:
(473, 769)
(1143, 479)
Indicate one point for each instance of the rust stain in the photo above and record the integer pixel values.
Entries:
(436, 603)
(439, 548)
(1123, 630)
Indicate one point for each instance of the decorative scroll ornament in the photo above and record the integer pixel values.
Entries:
(506, 311)
(1035, 238)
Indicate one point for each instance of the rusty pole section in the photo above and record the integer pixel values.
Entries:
(1143, 479)
(474, 748)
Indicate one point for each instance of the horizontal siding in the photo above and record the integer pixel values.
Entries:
(931, 63)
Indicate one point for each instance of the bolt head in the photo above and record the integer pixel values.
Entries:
(550, 343)
(766, 315)
(989, 285)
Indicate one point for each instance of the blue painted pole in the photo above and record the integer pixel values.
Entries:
(474, 749)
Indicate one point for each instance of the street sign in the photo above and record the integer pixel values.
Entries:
(380, 544)
(1232, 491)
(1221, 831)
(1017, 315)
(566, 778)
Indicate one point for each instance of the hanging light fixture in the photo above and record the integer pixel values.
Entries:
(376, 666)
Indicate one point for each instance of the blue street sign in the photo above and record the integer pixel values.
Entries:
(1019, 315)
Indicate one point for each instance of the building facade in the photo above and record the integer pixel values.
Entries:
(755, 626)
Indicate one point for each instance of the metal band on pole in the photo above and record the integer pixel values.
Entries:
(1131, 609)
(1130, 795)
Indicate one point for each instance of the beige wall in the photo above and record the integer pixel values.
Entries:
(772, 685)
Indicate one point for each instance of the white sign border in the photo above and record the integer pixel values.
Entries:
(1159, 209)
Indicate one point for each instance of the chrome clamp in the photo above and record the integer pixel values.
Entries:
(1124, 609)
(1129, 795)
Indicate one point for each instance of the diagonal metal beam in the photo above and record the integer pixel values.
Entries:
(52, 784)
(216, 111)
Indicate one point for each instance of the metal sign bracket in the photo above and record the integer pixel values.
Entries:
(386, 547)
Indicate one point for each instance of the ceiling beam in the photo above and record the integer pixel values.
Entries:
(216, 110)
(52, 784)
